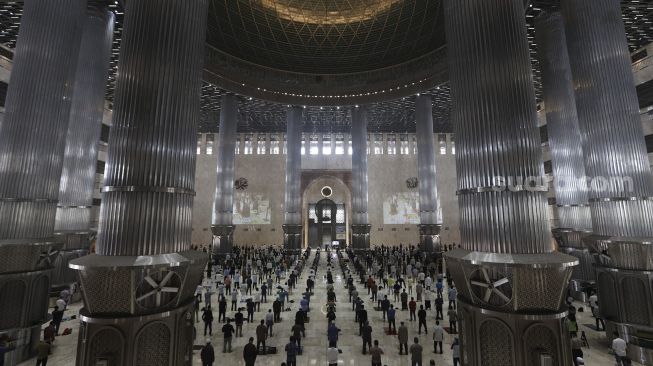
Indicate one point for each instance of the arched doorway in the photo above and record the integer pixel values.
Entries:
(326, 223)
(322, 194)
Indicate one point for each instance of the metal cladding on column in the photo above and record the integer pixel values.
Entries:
(429, 212)
(571, 195)
(562, 123)
(617, 162)
(223, 200)
(32, 140)
(143, 278)
(73, 217)
(511, 283)
(292, 227)
(360, 222)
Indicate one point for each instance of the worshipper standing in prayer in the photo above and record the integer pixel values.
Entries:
(239, 319)
(207, 355)
(392, 326)
(421, 317)
(297, 334)
(250, 352)
(234, 299)
(453, 320)
(332, 355)
(333, 333)
(402, 335)
(453, 293)
(49, 333)
(428, 296)
(269, 320)
(250, 310)
(227, 332)
(619, 348)
(57, 317)
(439, 303)
(412, 306)
(261, 336)
(276, 308)
(376, 353)
(300, 319)
(222, 310)
(416, 353)
(366, 334)
(291, 352)
(207, 317)
(385, 305)
(455, 352)
(438, 337)
(42, 353)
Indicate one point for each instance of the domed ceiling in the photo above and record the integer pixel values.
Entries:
(326, 36)
(321, 36)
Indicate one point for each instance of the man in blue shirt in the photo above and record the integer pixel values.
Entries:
(392, 327)
(291, 352)
(332, 334)
(439, 287)
(304, 304)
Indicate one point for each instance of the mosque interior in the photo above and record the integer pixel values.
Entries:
(327, 170)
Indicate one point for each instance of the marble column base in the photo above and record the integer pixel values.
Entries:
(624, 282)
(505, 318)
(571, 242)
(626, 304)
(495, 338)
(22, 342)
(164, 338)
(223, 239)
(24, 308)
(292, 237)
(138, 310)
(639, 349)
(429, 238)
(25, 277)
(70, 245)
(360, 236)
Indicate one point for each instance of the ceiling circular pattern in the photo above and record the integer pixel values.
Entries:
(326, 36)
(328, 12)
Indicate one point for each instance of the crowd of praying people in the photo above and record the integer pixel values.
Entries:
(248, 277)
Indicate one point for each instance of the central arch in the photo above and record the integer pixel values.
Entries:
(326, 214)
(313, 193)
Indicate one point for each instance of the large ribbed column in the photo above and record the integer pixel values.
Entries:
(360, 227)
(506, 243)
(429, 213)
(223, 200)
(32, 140)
(138, 288)
(575, 220)
(292, 227)
(73, 218)
(621, 196)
